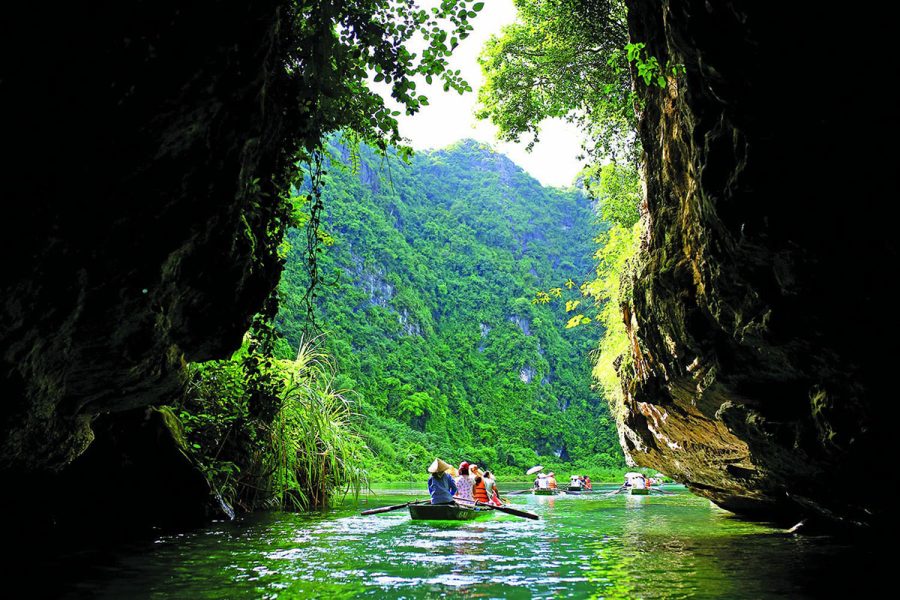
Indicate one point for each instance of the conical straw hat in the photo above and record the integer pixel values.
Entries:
(439, 466)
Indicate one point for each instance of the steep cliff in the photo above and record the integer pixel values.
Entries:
(428, 309)
(147, 145)
(759, 313)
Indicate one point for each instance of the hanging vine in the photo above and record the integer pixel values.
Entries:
(314, 246)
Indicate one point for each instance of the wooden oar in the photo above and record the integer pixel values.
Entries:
(615, 492)
(384, 509)
(518, 492)
(503, 509)
(510, 511)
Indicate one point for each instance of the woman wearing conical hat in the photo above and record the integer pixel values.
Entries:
(441, 485)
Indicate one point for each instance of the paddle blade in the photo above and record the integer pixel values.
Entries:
(516, 512)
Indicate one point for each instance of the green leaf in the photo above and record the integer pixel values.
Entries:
(478, 6)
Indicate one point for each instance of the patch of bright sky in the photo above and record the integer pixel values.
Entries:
(449, 117)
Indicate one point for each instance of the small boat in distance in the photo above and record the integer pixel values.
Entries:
(637, 484)
(445, 512)
(579, 484)
(545, 485)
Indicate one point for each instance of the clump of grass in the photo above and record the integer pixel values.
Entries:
(297, 451)
(317, 451)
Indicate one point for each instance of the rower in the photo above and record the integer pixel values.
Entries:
(441, 485)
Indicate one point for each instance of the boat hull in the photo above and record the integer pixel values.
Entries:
(444, 512)
(640, 492)
(545, 492)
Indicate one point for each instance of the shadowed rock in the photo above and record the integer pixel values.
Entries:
(759, 312)
(150, 140)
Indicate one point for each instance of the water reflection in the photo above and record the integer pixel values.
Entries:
(584, 546)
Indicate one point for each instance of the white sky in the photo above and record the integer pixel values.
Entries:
(450, 117)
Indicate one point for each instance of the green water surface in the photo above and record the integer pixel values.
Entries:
(660, 546)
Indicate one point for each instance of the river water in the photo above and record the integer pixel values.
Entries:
(660, 546)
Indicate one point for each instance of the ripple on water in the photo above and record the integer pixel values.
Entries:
(615, 547)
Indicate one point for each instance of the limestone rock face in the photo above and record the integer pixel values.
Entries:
(760, 323)
(146, 141)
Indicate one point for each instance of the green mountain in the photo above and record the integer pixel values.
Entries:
(427, 309)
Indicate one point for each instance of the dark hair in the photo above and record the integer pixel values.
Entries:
(464, 471)
(487, 474)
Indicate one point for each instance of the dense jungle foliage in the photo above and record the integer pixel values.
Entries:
(427, 310)
(572, 59)
(426, 274)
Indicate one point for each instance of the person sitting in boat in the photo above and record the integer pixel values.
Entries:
(479, 488)
(551, 481)
(541, 482)
(441, 485)
(490, 485)
(464, 482)
(587, 483)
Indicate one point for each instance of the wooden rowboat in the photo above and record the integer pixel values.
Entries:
(545, 492)
(445, 512)
(640, 492)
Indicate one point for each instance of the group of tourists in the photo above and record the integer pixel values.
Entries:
(468, 483)
(546, 481)
(580, 481)
(640, 481)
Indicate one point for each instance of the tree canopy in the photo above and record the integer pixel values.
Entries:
(565, 59)
(334, 47)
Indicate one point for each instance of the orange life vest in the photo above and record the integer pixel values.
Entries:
(478, 491)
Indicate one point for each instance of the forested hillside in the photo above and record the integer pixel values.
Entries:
(427, 309)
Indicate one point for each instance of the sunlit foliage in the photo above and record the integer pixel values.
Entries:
(426, 308)
(294, 450)
(565, 59)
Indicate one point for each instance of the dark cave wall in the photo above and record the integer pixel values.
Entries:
(759, 314)
(148, 141)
